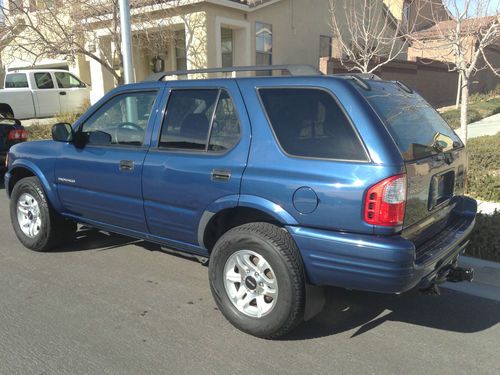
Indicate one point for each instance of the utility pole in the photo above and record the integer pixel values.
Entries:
(128, 71)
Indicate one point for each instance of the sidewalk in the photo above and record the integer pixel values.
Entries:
(486, 126)
(486, 283)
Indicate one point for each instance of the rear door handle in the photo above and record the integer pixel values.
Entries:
(62, 92)
(223, 175)
(126, 165)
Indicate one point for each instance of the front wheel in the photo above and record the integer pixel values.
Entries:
(35, 223)
(257, 279)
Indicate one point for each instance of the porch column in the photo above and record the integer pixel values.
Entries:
(196, 40)
(102, 80)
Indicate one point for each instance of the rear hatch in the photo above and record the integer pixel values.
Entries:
(434, 156)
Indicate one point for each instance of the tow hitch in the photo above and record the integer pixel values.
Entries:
(453, 274)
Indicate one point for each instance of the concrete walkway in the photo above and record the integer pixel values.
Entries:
(486, 126)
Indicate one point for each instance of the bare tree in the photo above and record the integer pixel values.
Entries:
(462, 42)
(66, 29)
(368, 35)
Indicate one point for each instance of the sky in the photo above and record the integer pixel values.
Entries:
(493, 8)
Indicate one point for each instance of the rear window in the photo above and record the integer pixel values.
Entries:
(416, 127)
(16, 80)
(308, 122)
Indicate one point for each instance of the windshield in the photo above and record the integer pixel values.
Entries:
(417, 128)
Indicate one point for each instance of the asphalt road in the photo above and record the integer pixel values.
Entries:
(110, 305)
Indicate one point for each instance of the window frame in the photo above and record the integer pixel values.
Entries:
(144, 146)
(367, 159)
(206, 151)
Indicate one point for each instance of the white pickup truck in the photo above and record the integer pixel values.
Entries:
(41, 93)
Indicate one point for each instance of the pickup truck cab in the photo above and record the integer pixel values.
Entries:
(281, 182)
(41, 93)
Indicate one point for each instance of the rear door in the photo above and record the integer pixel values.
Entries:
(46, 94)
(198, 157)
(434, 155)
(101, 182)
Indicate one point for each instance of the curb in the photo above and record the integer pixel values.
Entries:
(486, 283)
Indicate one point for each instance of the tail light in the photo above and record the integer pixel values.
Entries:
(385, 202)
(18, 135)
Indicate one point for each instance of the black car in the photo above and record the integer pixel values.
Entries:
(11, 132)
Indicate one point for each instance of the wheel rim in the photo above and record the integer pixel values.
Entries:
(250, 283)
(28, 215)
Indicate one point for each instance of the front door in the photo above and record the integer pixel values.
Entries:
(73, 92)
(198, 158)
(101, 182)
(46, 95)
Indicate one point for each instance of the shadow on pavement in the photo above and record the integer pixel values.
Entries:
(352, 310)
(362, 311)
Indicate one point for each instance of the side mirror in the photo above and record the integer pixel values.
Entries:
(62, 132)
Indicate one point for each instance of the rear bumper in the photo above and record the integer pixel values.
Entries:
(384, 264)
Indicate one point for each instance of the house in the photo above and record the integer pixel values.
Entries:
(435, 43)
(203, 33)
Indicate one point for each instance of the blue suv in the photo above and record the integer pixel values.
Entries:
(282, 182)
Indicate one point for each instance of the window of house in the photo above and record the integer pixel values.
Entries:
(122, 120)
(44, 81)
(264, 43)
(325, 46)
(67, 80)
(16, 80)
(309, 123)
(197, 116)
(227, 47)
(180, 50)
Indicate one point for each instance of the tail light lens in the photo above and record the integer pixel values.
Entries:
(18, 135)
(385, 202)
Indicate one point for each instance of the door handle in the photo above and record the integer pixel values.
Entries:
(221, 175)
(126, 165)
(62, 92)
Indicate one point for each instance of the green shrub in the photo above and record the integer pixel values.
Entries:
(485, 239)
(483, 177)
(452, 117)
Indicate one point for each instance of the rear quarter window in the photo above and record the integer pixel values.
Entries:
(309, 122)
(16, 80)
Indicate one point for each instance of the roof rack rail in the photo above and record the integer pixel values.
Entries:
(370, 76)
(404, 86)
(293, 70)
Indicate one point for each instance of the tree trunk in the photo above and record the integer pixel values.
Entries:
(463, 109)
(457, 104)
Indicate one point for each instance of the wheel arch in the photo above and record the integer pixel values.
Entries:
(24, 168)
(6, 108)
(232, 211)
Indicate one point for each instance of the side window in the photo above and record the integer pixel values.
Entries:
(44, 81)
(226, 126)
(187, 123)
(122, 120)
(67, 81)
(16, 80)
(309, 123)
(195, 116)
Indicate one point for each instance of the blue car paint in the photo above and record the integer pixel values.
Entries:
(170, 198)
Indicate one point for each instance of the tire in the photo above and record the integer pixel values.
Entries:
(273, 248)
(51, 229)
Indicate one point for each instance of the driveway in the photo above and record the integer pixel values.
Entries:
(487, 126)
(111, 305)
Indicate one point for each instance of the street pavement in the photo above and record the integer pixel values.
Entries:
(107, 304)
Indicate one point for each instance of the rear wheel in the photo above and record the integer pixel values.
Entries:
(257, 279)
(35, 223)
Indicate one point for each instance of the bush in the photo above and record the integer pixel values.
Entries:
(485, 239)
(452, 117)
(38, 131)
(483, 177)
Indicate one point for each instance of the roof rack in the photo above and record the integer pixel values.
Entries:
(370, 76)
(293, 70)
